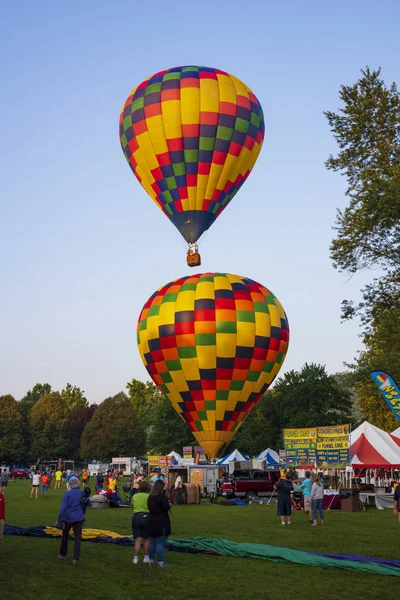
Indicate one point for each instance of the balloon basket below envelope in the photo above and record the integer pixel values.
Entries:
(193, 259)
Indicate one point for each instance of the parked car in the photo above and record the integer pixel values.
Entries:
(250, 483)
(19, 473)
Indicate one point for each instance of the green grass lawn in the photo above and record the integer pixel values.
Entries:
(29, 568)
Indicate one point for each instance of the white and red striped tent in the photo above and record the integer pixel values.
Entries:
(373, 448)
(395, 435)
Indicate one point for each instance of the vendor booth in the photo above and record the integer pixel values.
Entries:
(375, 463)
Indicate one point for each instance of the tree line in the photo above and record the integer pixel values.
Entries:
(51, 424)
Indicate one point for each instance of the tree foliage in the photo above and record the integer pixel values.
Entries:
(367, 130)
(144, 396)
(114, 430)
(47, 421)
(12, 443)
(382, 351)
(74, 397)
(74, 426)
(32, 396)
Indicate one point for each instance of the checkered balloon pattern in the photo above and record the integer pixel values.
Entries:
(213, 343)
(191, 136)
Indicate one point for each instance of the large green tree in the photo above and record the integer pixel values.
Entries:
(47, 422)
(311, 397)
(32, 396)
(367, 130)
(12, 443)
(381, 351)
(114, 430)
(74, 397)
(74, 426)
(144, 396)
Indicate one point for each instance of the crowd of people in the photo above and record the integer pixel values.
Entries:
(150, 520)
(151, 524)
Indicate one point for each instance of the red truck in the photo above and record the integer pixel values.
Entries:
(250, 484)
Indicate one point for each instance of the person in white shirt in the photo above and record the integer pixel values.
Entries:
(178, 488)
(35, 483)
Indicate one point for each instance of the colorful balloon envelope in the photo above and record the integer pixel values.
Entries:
(213, 343)
(191, 136)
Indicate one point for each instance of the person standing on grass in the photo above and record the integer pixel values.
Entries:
(35, 481)
(158, 477)
(45, 480)
(317, 496)
(57, 484)
(85, 477)
(396, 501)
(284, 487)
(178, 485)
(160, 525)
(112, 483)
(141, 521)
(99, 482)
(3, 481)
(2, 516)
(71, 515)
(306, 489)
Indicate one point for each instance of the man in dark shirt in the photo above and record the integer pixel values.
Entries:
(284, 487)
(396, 501)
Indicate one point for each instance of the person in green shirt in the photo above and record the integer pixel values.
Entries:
(140, 522)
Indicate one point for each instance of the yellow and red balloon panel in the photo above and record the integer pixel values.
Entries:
(213, 343)
(191, 136)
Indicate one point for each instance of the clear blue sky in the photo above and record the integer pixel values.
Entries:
(82, 246)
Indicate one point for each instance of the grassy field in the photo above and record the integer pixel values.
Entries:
(29, 568)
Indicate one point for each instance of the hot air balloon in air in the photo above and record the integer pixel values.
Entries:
(191, 136)
(213, 343)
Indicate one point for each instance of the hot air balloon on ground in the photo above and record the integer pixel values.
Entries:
(191, 136)
(213, 343)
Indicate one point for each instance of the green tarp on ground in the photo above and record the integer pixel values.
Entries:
(377, 566)
(276, 554)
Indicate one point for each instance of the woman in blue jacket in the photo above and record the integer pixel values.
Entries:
(71, 515)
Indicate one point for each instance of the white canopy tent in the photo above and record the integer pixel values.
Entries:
(270, 456)
(234, 456)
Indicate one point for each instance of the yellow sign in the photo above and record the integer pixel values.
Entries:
(306, 433)
(333, 432)
(339, 443)
(159, 461)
